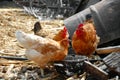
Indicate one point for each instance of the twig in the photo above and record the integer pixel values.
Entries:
(13, 58)
(6, 62)
(83, 76)
(9, 69)
(8, 73)
(73, 77)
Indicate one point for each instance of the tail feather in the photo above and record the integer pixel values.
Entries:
(26, 40)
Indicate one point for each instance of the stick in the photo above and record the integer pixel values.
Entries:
(13, 58)
(8, 73)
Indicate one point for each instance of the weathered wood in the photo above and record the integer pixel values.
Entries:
(113, 62)
(95, 71)
(107, 50)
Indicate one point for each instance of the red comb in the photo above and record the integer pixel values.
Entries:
(80, 25)
(79, 30)
(65, 29)
(64, 32)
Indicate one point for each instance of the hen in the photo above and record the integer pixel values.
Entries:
(43, 50)
(85, 39)
(61, 34)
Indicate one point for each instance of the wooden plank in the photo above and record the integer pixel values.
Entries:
(95, 71)
(113, 62)
(107, 50)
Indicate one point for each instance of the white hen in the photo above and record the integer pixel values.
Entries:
(42, 50)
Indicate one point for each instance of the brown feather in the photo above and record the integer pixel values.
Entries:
(86, 43)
